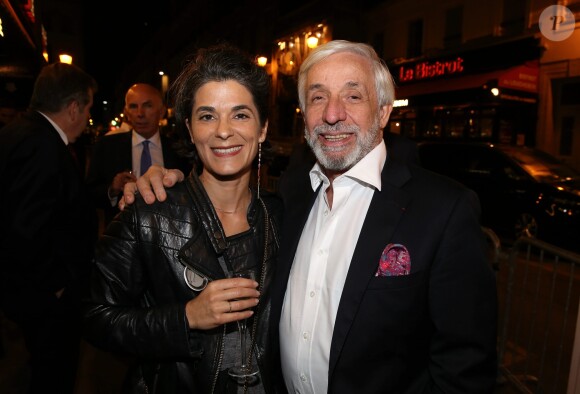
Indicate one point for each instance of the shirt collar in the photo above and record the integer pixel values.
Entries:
(138, 139)
(57, 127)
(367, 171)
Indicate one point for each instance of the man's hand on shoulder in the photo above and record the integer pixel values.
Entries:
(151, 185)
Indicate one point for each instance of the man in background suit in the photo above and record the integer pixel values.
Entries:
(47, 231)
(382, 284)
(116, 158)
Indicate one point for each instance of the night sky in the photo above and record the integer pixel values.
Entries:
(113, 39)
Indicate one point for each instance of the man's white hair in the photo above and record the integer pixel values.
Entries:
(384, 85)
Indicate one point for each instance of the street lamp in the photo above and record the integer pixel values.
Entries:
(164, 82)
(312, 42)
(64, 58)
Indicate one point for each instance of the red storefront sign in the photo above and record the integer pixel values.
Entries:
(523, 77)
(428, 70)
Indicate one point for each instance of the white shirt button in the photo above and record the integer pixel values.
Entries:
(303, 377)
(312, 294)
(305, 335)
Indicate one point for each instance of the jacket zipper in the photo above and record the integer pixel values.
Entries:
(220, 360)
(260, 288)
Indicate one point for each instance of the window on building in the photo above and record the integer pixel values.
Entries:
(415, 38)
(453, 27)
(378, 43)
(403, 121)
(475, 123)
(513, 17)
(566, 136)
(570, 93)
(486, 121)
(566, 109)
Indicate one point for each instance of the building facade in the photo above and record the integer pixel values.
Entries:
(464, 69)
(20, 52)
(482, 71)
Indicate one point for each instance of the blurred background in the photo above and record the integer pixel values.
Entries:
(465, 69)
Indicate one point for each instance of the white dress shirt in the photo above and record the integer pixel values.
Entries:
(319, 271)
(154, 148)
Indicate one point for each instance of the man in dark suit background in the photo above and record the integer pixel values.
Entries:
(116, 158)
(382, 284)
(47, 231)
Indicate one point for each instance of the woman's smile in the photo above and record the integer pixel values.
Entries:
(229, 151)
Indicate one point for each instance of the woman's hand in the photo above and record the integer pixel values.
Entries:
(222, 301)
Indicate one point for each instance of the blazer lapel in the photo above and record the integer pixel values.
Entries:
(297, 209)
(386, 208)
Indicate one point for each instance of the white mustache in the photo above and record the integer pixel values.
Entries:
(338, 127)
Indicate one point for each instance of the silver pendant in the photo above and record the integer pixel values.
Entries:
(194, 281)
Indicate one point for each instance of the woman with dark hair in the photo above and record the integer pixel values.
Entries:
(162, 288)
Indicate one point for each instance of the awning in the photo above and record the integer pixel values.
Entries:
(446, 85)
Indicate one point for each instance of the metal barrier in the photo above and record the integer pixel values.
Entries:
(539, 291)
(493, 247)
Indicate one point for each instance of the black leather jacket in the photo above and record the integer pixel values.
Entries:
(139, 292)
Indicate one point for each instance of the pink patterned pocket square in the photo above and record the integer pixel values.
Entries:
(395, 261)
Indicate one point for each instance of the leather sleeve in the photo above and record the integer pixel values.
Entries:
(120, 315)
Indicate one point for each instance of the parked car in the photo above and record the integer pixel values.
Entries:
(521, 190)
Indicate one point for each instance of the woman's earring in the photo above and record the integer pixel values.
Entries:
(259, 165)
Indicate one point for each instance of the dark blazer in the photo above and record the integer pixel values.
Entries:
(47, 224)
(111, 155)
(433, 331)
